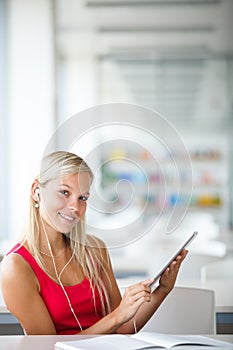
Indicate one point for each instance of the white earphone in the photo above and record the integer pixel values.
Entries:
(37, 192)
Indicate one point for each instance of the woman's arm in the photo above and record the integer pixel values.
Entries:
(21, 292)
(166, 284)
(123, 309)
(138, 300)
(20, 289)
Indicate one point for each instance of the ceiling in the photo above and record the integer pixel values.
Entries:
(171, 54)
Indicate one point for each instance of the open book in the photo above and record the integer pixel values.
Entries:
(141, 340)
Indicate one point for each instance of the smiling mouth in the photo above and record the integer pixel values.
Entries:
(67, 217)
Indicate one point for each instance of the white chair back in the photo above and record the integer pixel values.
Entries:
(185, 311)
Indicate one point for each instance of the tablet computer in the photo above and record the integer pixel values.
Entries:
(184, 245)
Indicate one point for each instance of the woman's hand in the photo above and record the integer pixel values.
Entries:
(168, 278)
(133, 298)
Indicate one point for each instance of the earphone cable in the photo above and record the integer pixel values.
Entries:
(135, 326)
(59, 275)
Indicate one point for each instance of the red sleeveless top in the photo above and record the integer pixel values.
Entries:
(87, 310)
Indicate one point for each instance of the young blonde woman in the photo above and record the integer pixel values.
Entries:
(58, 279)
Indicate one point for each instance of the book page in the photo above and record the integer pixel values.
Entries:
(113, 342)
(168, 341)
(141, 340)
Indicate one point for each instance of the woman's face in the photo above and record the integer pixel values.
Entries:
(63, 201)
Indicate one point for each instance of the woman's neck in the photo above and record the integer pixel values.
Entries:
(50, 239)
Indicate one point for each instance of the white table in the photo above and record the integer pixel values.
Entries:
(47, 342)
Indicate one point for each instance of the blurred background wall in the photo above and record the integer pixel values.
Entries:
(60, 57)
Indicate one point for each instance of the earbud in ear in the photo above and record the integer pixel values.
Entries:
(37, 192)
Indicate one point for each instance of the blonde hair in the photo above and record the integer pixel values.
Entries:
(87, 249)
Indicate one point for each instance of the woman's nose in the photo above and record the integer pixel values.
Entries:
(76, 206)
(73, 204)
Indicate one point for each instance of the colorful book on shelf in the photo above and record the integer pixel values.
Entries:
(141, 340)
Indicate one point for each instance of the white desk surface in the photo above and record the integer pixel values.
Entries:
(46, 342)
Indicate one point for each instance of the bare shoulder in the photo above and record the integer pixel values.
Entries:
(15, 268)
(20, 290)
(13, 263)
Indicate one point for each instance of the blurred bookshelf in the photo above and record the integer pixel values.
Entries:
(134, 176)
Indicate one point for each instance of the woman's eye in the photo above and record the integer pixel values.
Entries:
(66, 193)
(83, 198)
